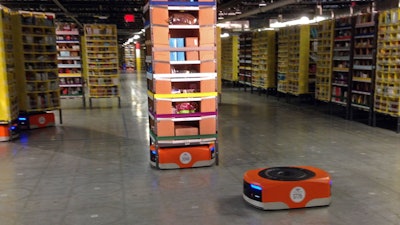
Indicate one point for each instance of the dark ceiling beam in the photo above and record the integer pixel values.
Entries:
(272, 6)
(67, 13)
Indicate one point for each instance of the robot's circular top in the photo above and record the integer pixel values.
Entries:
(286, 173)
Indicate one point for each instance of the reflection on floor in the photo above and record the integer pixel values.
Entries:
(94, 168)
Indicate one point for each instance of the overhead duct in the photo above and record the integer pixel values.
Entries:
(67, 13)
(272, 6)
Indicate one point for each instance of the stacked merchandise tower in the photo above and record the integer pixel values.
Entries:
(8, 83)
(36, 68)
(387, 84)
(182, 83)
(69, 62)
(100, 61)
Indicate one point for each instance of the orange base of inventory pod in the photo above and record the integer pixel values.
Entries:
(39, 120)
(8, 132)
(287, 187)
(182, 157)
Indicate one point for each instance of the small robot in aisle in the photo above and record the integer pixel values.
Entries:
(277, 188)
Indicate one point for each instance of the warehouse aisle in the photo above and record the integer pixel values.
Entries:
(94, 168)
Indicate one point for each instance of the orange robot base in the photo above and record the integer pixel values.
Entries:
(287, 187)
(8, 131)
(37, 120)
(182, 157)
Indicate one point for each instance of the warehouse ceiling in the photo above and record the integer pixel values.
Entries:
(88, 12)
(113, 11)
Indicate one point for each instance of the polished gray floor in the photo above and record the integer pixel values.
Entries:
(94, 168)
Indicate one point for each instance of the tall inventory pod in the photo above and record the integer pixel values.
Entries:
(182, 83)
(100, 61)
(36, 68)
(8, 82)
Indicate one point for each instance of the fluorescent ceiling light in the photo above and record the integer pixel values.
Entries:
(302, 20)
(224, 35)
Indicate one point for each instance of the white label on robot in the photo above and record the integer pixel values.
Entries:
(297, 194)
(185, 157)
(42, 120)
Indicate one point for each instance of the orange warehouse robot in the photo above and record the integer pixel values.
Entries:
(287, 187)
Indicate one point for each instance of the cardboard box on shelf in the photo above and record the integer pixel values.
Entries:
(182, 130)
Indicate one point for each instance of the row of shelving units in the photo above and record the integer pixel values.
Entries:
(42, 64)
(182, 83)
(349, 62)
